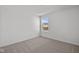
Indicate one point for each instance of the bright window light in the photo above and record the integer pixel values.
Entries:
(44, 22)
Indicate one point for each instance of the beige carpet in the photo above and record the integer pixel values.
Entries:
(40, 45)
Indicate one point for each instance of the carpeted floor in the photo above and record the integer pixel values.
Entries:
(40, 45)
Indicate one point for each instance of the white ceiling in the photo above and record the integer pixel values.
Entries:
(38, 9)
(44, 9)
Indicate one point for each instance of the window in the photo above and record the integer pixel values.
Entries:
(44, 23)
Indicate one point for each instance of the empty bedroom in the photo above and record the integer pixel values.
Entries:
(39, 28)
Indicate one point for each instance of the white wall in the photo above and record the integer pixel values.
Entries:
(17, 24)
(0, 23)
(64, 25)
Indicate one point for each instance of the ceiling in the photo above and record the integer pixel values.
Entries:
(38, 9)
(44, 9)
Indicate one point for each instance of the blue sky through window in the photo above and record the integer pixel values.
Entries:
(44, 20)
